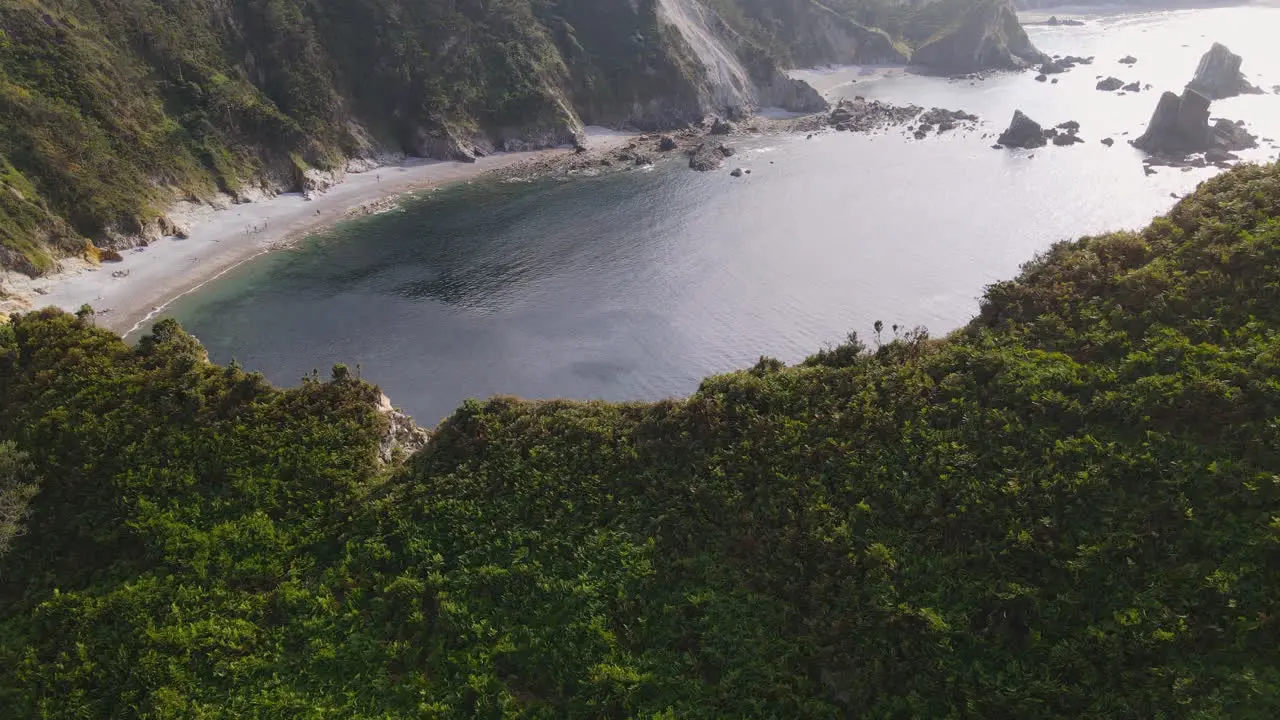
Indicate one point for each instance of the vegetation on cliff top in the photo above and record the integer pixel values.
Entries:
(1069, 508)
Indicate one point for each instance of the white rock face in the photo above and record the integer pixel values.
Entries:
(403, 436)
(730, 86)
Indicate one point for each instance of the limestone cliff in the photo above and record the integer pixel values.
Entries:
(986, 37)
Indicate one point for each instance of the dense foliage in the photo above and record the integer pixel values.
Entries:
(1070, 508)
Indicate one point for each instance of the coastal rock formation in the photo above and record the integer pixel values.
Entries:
(708, 156)
(1132, 87)
(1023, 132)
(987, 37)
(1110, 84)
(859, 115)
(792, 94)
(1218, 75)
(402, 436)
(1180, 125)
(666, 143)
(720, 126)
(1128, 60)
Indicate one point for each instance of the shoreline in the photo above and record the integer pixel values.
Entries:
(128, 294)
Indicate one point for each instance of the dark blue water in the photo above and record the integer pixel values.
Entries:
(637, 285)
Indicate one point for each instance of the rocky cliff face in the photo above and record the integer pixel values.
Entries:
(987, 37)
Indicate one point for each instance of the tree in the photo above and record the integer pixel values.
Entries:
(17, 487)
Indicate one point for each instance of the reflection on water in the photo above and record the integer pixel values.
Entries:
(637, 285)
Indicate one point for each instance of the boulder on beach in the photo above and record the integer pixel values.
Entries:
(1218, 75)
(666, 143)
(1041, 78)
(987, 37)
(737, 172)
(1108, 142)
(720, 126)
(1110, 84)
(1128, 60)
(1023, 132)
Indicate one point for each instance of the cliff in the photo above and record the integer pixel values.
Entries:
(1066, 509)
(987, 36)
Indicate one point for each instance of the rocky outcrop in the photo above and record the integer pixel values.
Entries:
(859, 115)
(988, 37)
(1110, 84)
(1218, 75)
(402, 437)
(1023, 132)
(1180, 125)
(792, 94)
(708, 156)
(442, 144)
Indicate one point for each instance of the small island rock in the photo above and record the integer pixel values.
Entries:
(1022, 132)
(1218, 75)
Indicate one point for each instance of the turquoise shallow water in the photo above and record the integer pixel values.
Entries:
(637, 285)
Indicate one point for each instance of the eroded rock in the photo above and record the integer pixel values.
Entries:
(1218, 75)
(1023, 132)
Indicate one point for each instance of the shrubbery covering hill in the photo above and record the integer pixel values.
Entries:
(1070, 508)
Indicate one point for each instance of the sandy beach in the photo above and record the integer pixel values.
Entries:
(127, 294)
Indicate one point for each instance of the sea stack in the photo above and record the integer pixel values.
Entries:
(1218, 75)
(1179, 124)
(1023, 132)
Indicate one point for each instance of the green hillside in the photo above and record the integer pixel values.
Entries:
(1070, 508)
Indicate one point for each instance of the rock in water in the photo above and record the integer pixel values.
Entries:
(1218, 75)
(1132, 87)
(666, 143)
(1108, 142)
(707, 157)
(1181, 125)
(1229, 136)
(1111, 83)
(1128, 60)
(988, 37)
(737, 172)
(1023, 132)
(1066, 139)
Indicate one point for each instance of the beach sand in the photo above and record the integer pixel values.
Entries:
(129, 293)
